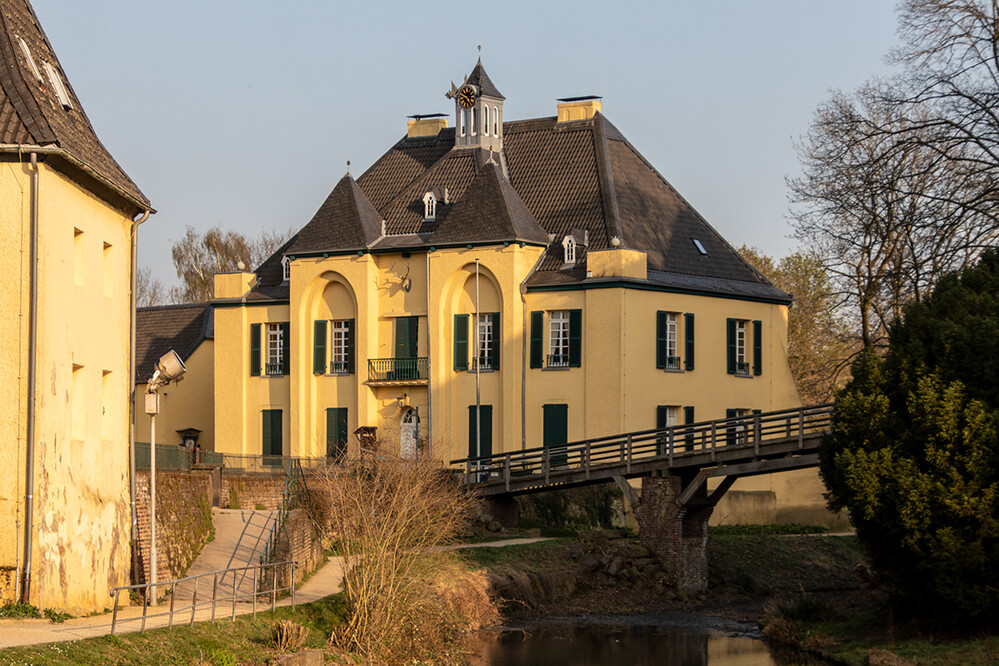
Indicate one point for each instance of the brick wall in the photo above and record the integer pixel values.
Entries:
(183, 520)
(252, 492)
(298, 541)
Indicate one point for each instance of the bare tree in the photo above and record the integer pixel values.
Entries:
(818, 341)
(148, 290)
(877, 204)
(198, 257)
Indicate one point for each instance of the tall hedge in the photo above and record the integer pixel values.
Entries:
(914, 451)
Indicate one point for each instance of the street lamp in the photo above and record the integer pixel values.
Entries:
(169, 368)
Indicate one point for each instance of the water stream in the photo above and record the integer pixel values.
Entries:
(659, 639)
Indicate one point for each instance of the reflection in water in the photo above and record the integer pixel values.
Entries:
(605, 643)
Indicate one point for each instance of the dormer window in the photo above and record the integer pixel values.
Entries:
(31, 61)
(569, 248)
(429, 207)
(57, 86)
(286, 268)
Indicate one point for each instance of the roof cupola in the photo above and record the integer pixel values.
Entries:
(478, 112)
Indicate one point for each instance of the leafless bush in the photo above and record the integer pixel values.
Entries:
(289, 636)
(389, 518)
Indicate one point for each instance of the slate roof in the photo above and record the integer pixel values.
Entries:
(31, 113)
(553, 179)
(479, 78)
(161, 328)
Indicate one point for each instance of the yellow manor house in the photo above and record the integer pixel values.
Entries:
(495, 286)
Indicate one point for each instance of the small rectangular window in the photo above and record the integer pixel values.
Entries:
(78, 258)
(275, 349)
(108, 269)
(57, 87)
(27, 56)
(495, 121)
(699, 246)
(741, 365)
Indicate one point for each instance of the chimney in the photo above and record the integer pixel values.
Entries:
(578, 108)
(428, 125)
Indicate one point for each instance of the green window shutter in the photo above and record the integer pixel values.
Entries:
(661, 413)
(688, 414)
(402, 337)
(688, 332)
(319, 347)
(486, 426)
(537, 339)
(730, 337)
(461, 342)
(285, 348)
(271, 432)
(350, 346)
(255, 350)
(414, 337)
(556, 431)
(494, 359)
(336, 433)
(575, 338)
(661, 339)
(757, 347)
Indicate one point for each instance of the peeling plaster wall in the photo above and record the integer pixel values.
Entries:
(81, 528)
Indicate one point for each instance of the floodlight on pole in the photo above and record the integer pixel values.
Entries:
(169, 368)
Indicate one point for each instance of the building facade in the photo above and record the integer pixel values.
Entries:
(69, 210)
(495, 286)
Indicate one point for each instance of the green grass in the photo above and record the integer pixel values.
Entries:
(774, 528)
(526, 554)
(244, 640)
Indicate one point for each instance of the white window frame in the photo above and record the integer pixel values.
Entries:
(740, 348)
(475, 117)
(558, 339)
(429, 206)
(496, 121)
(671, 335)
(484, 341)
(275, 349)
(285, 269)
(462, 120)
(339, 331)
(671, 412)
(485, 120)
(57, 85)
(569, 248)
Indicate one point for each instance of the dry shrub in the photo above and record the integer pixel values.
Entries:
(289, 636)
(389, 518)
(878, 657)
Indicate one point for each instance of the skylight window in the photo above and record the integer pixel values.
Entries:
(27, 55)
(57, 86)
(700, 248)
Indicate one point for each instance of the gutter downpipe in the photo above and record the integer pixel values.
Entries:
(131, 403)
(29, 466)
(523, 350)
(430, 392)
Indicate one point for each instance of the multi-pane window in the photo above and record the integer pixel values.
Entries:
(672, 358)
(558, 347)
(741, 365)
(285, 269)
(275, 349)
(339, 364)
(484, 342)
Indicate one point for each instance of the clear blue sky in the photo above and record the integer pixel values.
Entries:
(243, 114)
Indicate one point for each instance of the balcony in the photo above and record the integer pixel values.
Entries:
(275, 369)
(398, 370)
(742, 368)
(339, 368)
(672, 363)
(482, 364)
(557, 361)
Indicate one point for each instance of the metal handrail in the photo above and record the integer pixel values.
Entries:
(294, 471)
(398, 369)
(194, 605)
(668, 444)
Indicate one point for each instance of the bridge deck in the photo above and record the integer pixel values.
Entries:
(786, 439)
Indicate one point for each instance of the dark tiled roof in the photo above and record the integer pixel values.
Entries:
(271, 273)
(554, 179)
(162, 328)
(30, 111)
(345, 220)
(490, 209)
(479, 78)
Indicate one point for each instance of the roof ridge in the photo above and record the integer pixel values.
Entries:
(605, 175)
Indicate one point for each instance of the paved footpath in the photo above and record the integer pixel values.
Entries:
(325, 582)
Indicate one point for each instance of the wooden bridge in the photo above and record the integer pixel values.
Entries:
(674, 464)
(733, 447)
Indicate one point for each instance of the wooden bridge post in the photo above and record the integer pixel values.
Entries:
(677, 535)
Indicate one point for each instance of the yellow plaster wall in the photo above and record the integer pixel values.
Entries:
(81, 526)
(189, 403)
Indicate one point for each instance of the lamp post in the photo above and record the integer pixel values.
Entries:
(169, 368)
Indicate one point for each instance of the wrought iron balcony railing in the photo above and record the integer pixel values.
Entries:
(672, 363)
(742, 368)
(483, 363)
(275, 368)
(398, 369)
(558, 361)
(339, 368)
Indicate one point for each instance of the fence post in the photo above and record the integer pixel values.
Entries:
(546, 464)
(294, 564)
(714, 439)
(628, 467)
(273, 588)
(194, 602)
(255, 576)
(145, 605)
(588, 453)
(215, 592)
(506, 471)
(173, 596)
(801, 428)
(756, 433)
(114, 613)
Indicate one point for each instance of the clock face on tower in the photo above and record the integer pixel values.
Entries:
(466, 97)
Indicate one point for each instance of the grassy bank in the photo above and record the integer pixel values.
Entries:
(244, 640)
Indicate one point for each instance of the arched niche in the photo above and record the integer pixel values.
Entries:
(331, 297)
(464, 298)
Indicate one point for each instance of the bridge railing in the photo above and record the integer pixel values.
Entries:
(673, 442)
